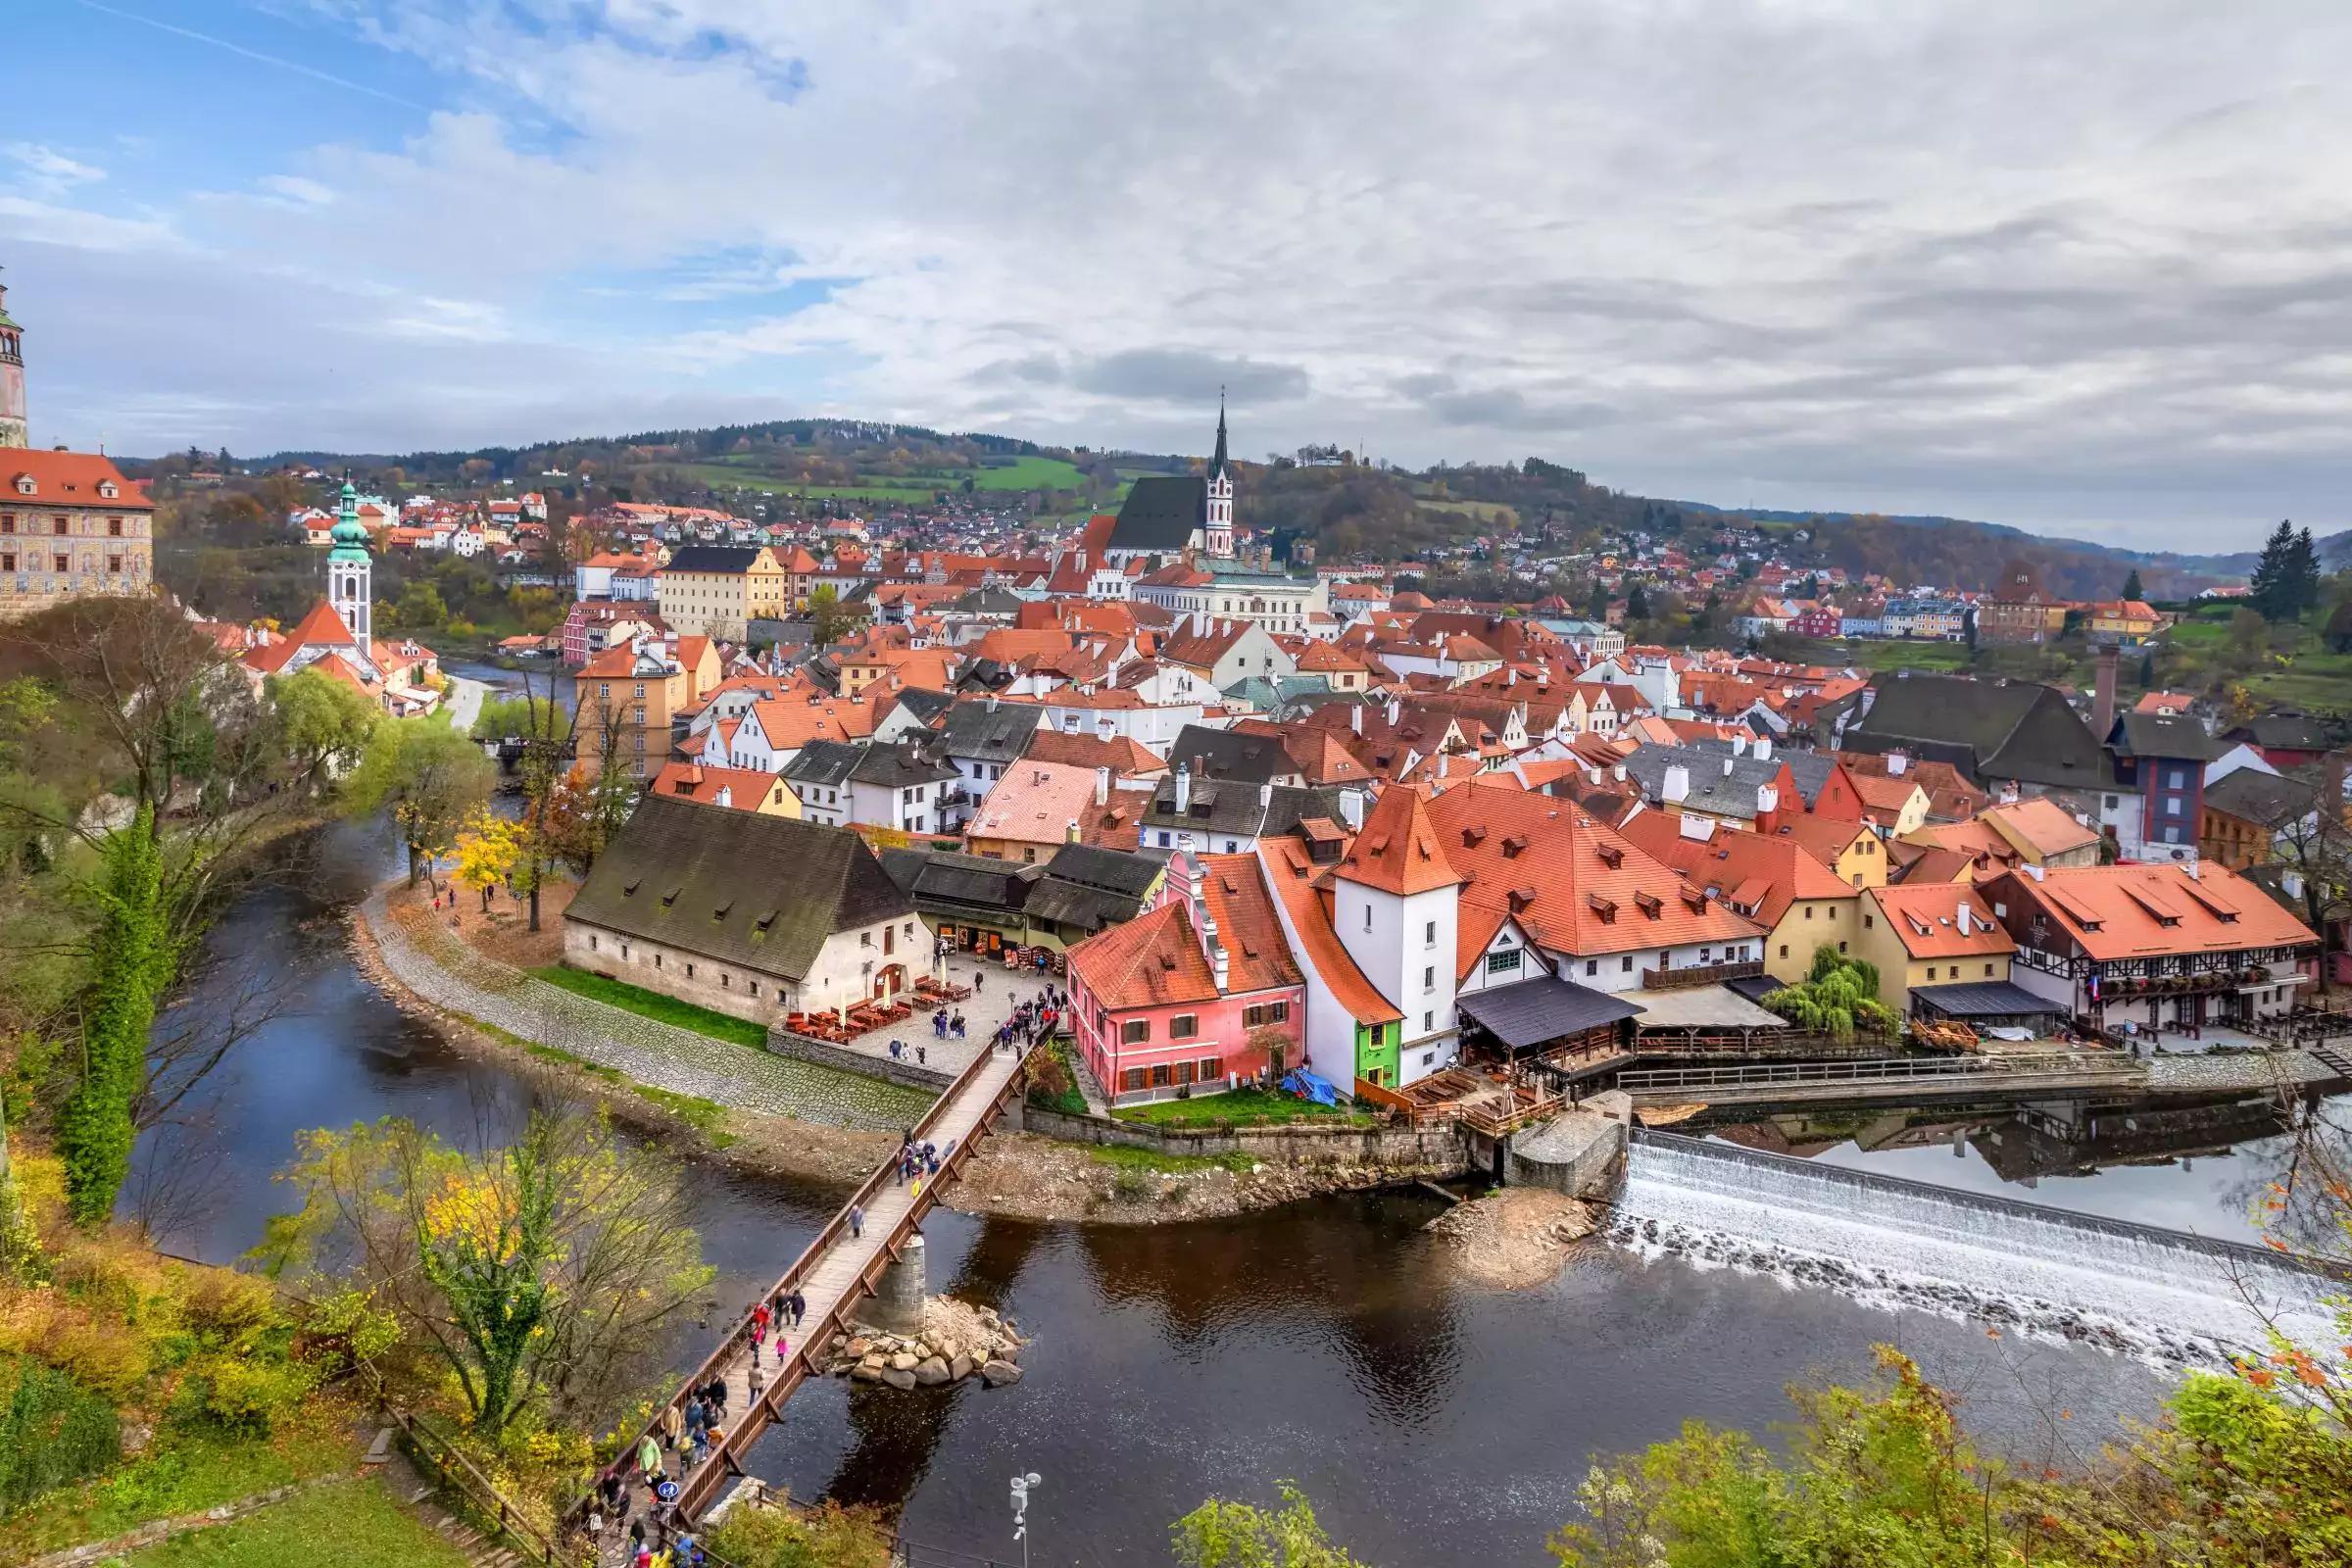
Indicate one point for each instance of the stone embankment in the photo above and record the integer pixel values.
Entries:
(956, 1341)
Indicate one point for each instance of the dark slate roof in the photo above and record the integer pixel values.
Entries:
(2297, 732)
(1071, 904)
(1003, 736)
(1810, 770)
(830, 764)
(825, 763)
(1987, 729)
(1713, 791)
(1235, 808)
(734, 560)
(1224, 753)
(2162, 735)
(1534, 1011)
(2260, 798)
(736, 886)
(1122, 872)
(991, 600)
(943, 882)
(1161, 515)
(924, 704)
(1986, 999)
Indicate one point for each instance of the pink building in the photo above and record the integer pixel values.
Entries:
(1200, 990)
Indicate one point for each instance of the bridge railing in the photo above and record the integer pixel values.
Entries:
(789, 1375)
(1897, 1069)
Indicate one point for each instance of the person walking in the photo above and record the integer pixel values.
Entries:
(799, 1306)
(857, 1222)
(673, 1427)
(922, 1055)
(649, 1459)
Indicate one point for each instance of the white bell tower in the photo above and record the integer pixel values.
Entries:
(1220, 495)
(350, 573)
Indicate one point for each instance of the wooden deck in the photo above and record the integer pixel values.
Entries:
(833, 1274)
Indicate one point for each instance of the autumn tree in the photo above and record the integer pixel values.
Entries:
(431, 779)
(539, 1277)
(489, 850)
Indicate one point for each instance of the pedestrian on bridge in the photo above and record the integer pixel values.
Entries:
(649, 1459)
(799, 1305)
(857, 1222)
(673, 1426)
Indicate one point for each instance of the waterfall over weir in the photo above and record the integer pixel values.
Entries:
(1903, 1243)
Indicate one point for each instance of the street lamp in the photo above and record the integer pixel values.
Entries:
(1020, 1510)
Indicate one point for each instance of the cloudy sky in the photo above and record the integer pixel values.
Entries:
(2080, 265)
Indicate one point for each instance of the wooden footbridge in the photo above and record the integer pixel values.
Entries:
(1902, 1079)
(832, 1274)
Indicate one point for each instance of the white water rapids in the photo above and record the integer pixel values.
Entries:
(1900, 1244)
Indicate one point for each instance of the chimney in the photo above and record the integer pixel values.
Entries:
(1727, 767)
(1073, 830)
(1739, 744)
(1102, 786)
(2103, 704)
(1184, 789)
(1352, 809)
(1617, 772)
(725, 796)
(1763, 748)
(1265, 797)
(1676, 786)
(1355, 717)
(1960, 917)
(991, 702)
(1395, 711)
(1897, 763)
(1768, 808)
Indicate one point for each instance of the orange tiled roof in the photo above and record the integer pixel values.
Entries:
(1148, 962)
(2131, 911)
(1257, 956)
(1292, 874)
(1762, 875)
(748, 789)
(1926, 917)
(1399, 852)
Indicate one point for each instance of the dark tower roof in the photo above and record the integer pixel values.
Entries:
(1218, 464)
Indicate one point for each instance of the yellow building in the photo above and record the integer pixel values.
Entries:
(637, 691)
(719, 590)
(1942, 933)
(2126, 619)
(742, 788)
(1849, 848)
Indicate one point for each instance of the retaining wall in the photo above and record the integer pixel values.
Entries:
(1438, 1147)
(824, 1053)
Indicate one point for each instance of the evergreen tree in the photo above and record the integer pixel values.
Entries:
(1637, 603)
(2131, 588)
(2286, 577)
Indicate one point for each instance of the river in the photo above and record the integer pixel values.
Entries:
(1431, 1421)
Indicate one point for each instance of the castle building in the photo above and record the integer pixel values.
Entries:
(71, 525)
(350, 573)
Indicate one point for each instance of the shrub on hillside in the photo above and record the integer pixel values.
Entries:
(52, 1431)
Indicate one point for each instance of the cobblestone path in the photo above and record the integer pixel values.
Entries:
(449, 974)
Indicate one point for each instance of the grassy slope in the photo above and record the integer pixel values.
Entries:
(1240, 1106)
(1023, 473)
(184, 1473)
(661, 1008)
(354, 1524)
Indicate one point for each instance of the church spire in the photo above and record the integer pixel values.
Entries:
(1219, 532)
(1216, 465)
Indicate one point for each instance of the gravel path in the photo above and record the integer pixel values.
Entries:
(464, 701)
(2271, 1069)
(662, 1056)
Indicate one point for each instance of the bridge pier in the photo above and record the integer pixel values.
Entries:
(899, 1293)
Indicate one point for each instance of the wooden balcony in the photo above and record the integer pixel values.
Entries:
(1700, 974)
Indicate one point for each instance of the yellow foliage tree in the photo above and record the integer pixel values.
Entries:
(488, 848)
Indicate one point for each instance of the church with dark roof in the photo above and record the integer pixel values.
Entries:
(1178, 515)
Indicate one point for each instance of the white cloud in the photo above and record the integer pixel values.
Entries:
(295, 188)
(47, 171)
(2055, 265)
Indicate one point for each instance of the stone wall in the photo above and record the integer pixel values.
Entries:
(784, 1043)
(719, 986)
(1294, 1145)
(1581, 1153)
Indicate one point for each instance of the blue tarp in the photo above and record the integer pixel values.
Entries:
(1306, 1085)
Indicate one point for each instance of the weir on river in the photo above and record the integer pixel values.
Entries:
(1897, 1243)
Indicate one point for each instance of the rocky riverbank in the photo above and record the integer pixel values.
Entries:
(1515, 1238)
(958, 1340)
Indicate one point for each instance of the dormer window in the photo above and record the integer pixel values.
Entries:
(26, 485)
(106, 488)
